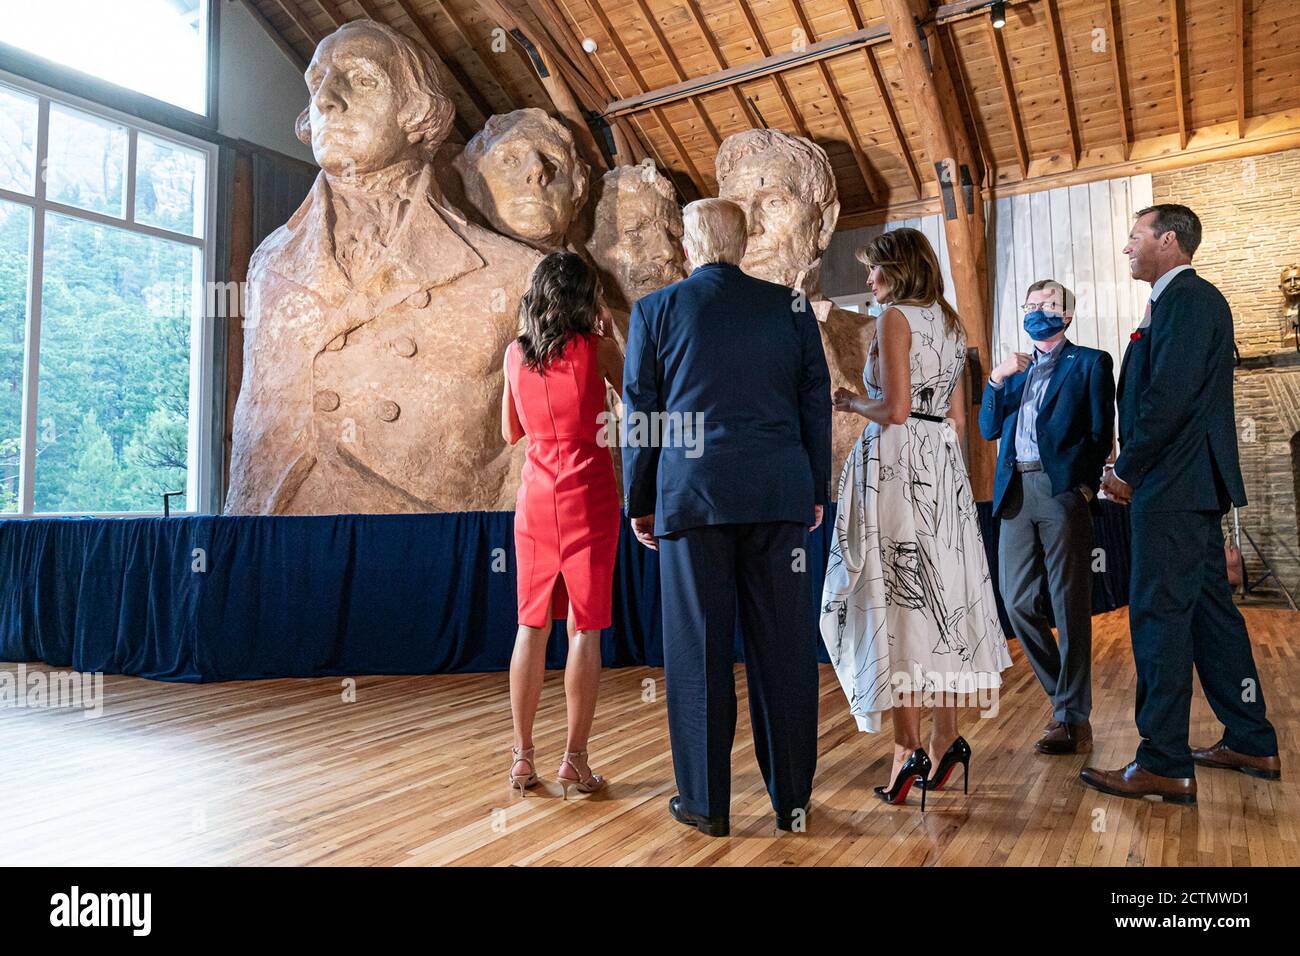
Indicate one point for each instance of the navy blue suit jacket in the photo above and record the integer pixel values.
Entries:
(1076, 420)
(738, 356)
(1177, 423)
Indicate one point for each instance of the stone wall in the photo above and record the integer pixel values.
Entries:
(1250, 212)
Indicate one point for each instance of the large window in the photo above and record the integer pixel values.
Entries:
(104, 229)
(155, 47)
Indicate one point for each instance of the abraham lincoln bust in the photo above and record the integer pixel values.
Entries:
(378, 315)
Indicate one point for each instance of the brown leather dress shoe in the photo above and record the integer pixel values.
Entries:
(1133, 781)
(1066, 739)
(1221, 757)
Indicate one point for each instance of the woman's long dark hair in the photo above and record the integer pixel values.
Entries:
(559, 304)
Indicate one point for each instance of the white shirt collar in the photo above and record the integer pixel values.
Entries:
(1162, 283)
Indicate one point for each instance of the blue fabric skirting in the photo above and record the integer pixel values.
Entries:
(225, 598)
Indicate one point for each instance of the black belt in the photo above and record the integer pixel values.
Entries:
(1029, 466)
(925, 418)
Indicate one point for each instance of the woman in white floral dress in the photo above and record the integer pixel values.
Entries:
(908, 613)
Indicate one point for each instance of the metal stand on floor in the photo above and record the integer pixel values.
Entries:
(1246, 584)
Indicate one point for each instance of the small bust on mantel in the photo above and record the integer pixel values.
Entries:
(1290, 286)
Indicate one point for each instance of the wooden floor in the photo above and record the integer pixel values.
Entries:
(413, 773)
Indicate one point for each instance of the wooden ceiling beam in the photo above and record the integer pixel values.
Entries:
(1009, 95)
(773, 65)
(481, 102)
(882, 94)
(934, 97)
(1057, 46)
(882, 91)
(559, 47)
(961, 87)
(299, 20)
(512, 93)
(1272, 133)
(1117, 72)
(869, 179)
(664, 124)
(1176, 55)
(720, 62)
(782, 90)
(285, 47)
(332, 11)
(1239, 52)
(666, 49)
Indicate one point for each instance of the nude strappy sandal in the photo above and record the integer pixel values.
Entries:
(522, 781)
(587, 782)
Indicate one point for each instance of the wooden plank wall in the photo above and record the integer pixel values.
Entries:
(1074, 234)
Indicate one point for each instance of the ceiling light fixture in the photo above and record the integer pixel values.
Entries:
(998, 12)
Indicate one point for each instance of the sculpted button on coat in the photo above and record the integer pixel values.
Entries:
(404, 346)
(327, 401)
(387, 411)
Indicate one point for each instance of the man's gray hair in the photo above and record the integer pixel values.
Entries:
(715, 231)
(1067, 297)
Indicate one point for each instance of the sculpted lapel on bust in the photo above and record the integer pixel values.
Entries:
(378, 315)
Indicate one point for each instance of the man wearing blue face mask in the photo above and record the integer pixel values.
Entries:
(1054, 413)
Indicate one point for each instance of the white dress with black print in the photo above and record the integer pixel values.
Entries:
(907, 605)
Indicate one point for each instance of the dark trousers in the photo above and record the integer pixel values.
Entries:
(1181, 615)
(707, 575)
(1045, 557)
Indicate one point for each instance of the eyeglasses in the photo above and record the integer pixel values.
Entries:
(1035, 306)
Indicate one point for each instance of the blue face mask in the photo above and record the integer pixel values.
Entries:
(1040, 325)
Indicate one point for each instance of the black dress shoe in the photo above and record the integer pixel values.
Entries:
(709, 826)
(788, 821)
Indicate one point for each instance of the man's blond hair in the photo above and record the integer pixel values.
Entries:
(714, 231)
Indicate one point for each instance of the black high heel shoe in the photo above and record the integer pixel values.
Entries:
(958, 753)
(915, 770)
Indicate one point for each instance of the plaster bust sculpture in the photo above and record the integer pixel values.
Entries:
(636, 237)
(786, 186)
(1290, 286)
(378, 315)
(523, 175)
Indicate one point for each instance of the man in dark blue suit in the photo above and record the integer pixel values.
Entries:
(1178, 472)
(1054, 414)
(727, 463)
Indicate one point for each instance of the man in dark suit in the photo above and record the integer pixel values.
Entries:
(735, 366)
(1178, 472)
(1054, 414)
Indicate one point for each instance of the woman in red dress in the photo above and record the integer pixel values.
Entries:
(567, 512)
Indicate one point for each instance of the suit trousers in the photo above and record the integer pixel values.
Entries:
(1181, 616)
(708, 576)
(1045, 557)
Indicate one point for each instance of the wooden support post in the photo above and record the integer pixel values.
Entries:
(934, 98)
(1239, 64)
(1176, 55)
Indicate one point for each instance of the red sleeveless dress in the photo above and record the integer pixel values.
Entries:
(567, 512)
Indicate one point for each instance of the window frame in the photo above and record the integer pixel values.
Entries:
(86, 86)
(199, 478)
